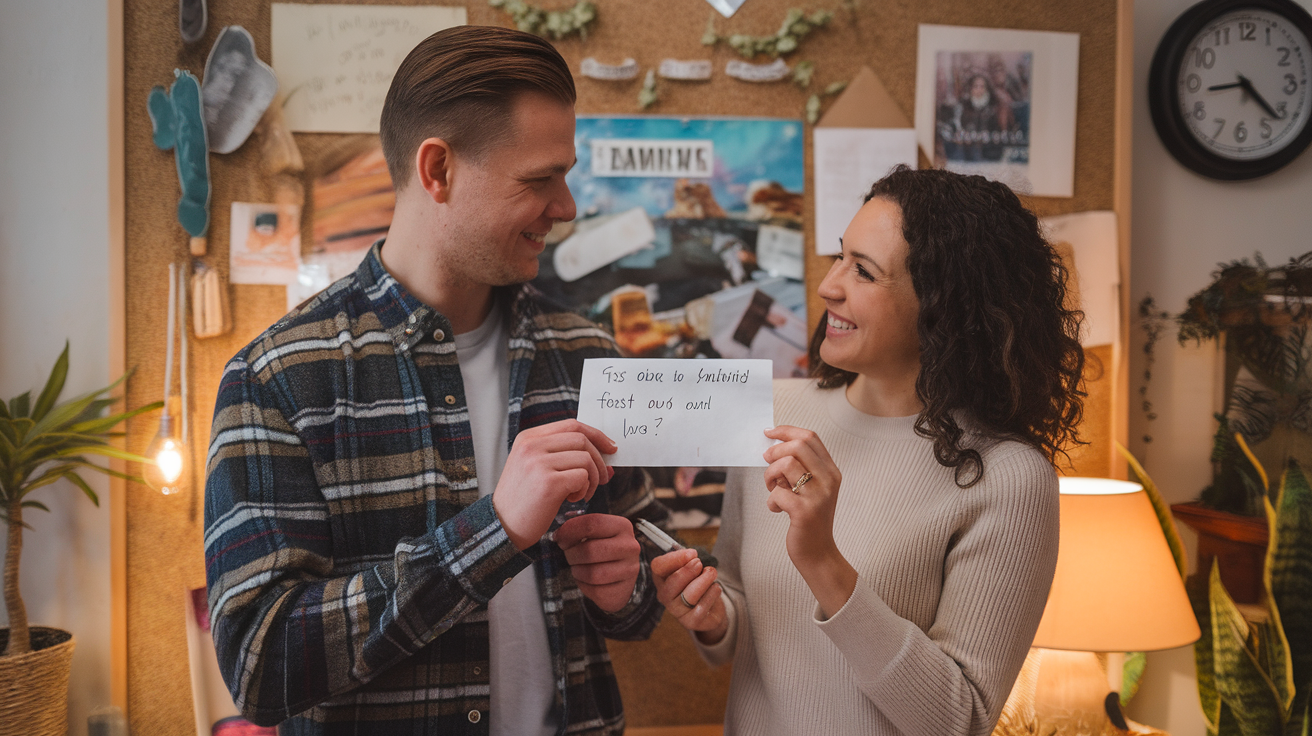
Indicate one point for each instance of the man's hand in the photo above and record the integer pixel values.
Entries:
(547, 466)
(603, 556)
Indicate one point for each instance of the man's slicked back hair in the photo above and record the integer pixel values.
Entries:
(459, 85)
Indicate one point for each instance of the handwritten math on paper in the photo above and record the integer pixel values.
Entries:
(691, 413)
(335, 62)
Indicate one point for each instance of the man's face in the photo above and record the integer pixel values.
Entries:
(504, 204)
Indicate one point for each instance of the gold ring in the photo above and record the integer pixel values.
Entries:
(797, 487)
(685, 601)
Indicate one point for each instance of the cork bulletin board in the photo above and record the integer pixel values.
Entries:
(664, 682)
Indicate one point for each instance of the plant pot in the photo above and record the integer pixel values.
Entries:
(1237, 543)
(34, 686)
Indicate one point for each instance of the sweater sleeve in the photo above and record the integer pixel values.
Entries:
(728, 548)
(955, 677)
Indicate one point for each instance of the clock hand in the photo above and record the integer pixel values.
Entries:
(1232, 85)
(1248, 87)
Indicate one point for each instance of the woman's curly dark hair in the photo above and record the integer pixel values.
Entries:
(998, 345)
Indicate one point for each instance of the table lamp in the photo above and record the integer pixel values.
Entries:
(1116, 590)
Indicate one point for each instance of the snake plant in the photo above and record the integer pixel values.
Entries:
(41, 443)
(1255, 672)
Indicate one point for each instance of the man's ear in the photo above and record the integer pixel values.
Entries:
(433, 162)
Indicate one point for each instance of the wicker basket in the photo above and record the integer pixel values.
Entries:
(34, 686)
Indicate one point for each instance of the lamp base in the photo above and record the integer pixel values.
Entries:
(1066, 694)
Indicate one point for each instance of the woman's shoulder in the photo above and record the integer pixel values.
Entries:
(1016, 472)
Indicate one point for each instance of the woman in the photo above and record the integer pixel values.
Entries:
(887, 571)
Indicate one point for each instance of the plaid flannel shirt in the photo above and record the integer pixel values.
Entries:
(348, 555)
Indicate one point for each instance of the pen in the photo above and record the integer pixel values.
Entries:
(666, 543)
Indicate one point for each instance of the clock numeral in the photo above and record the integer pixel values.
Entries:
(1193, 83)
(1266, 129)
(1241, 133)
(1284, 55)
(1268, 35)
(1223, 33)
(1220, 126)
(1247, 31)
(1206, 58)
(1291, 85)
(1199, 112)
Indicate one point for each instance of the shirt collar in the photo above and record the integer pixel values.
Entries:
(409, 320)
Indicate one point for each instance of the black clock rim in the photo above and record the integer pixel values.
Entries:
(1164, 94)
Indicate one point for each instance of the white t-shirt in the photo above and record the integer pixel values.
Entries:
(523, 683)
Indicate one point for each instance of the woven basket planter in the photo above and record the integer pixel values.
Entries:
(34, 686)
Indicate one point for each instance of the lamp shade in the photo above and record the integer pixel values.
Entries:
(1117, 588)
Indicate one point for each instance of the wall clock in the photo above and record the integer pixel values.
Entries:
(1229, 87)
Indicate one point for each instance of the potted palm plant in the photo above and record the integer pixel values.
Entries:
(1260, 315)
(42, 442)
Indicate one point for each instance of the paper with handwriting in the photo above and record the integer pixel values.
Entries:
(669, 412)
(335, 62)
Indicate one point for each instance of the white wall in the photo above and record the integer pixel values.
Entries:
(1183, 225)
(53, 286)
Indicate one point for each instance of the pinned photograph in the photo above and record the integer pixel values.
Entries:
(266, 243)
(999, 103)
(982, 116)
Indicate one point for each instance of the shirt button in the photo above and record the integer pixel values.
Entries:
(478, 670)
(413, 318)
(475, 716)
(439, 335)
(409, 330)
(506, 582)
(450, 400)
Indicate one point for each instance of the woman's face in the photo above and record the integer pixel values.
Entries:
(872, 305)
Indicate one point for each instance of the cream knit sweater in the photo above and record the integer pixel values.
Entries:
(952, 583)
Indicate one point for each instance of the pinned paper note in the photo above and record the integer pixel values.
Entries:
(772, 72)
(593, 69)
(697, 70)
(691, 413)
(336, 62)
(585, 252)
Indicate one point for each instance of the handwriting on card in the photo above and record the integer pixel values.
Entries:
(694, 413)
(335, 62)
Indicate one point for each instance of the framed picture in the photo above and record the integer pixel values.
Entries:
(1000, 103)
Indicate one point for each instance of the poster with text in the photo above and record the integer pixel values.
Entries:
(687, 244)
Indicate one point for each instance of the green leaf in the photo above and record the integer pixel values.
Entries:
(1161, 508)
(54, 386)
(104, 424)
(1289, 568)
(1240, 681)
(35, 505)
(4, 411)
(108, 451)
(77, 481)
(19, 405)
(1204, 661)
(1131, 674)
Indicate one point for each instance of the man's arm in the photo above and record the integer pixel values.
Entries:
(288, 633)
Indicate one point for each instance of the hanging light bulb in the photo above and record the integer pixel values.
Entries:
(170, 471)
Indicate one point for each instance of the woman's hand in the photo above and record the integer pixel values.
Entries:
(689, 592)
(803, 482)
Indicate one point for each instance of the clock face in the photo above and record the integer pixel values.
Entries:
(1243, 84)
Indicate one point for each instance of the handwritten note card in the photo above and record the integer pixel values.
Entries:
(693, 413)
(335, 62)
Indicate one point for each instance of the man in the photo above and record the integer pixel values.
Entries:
(379, 562)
